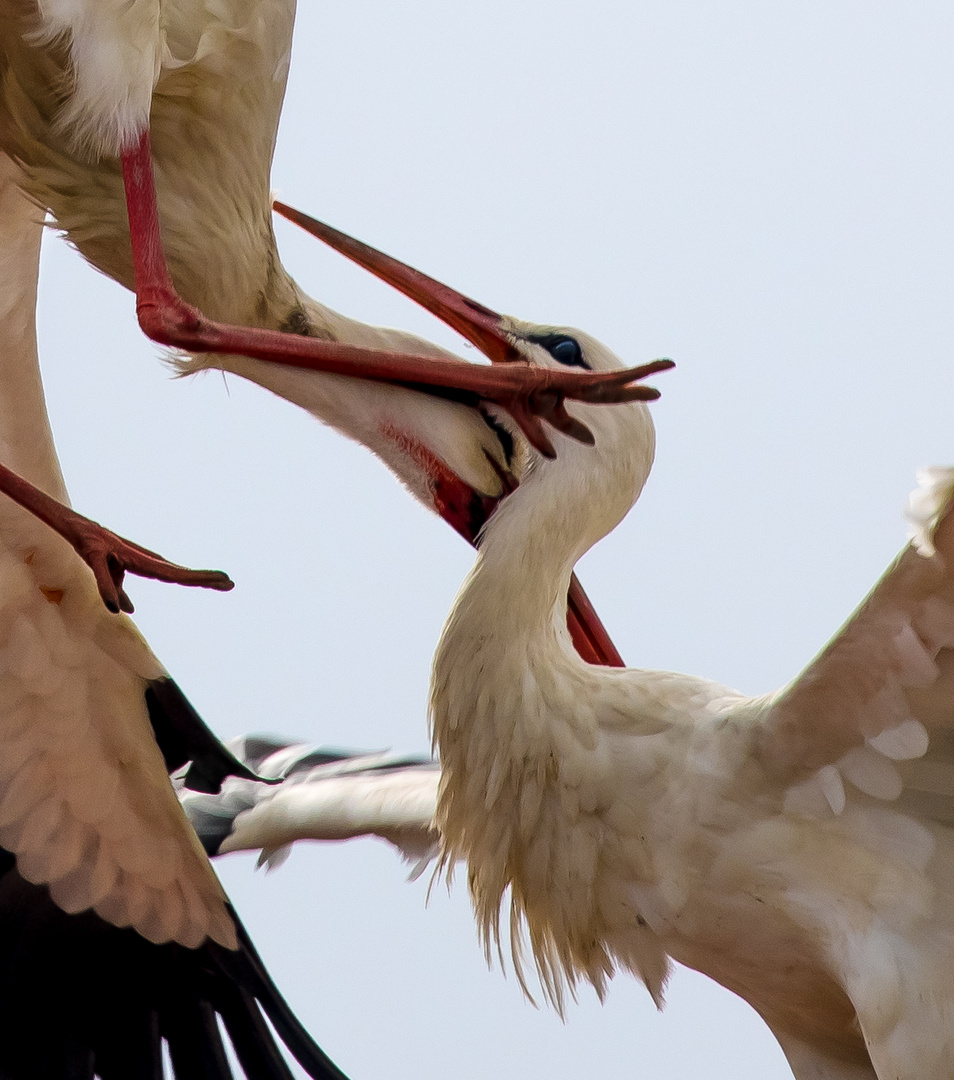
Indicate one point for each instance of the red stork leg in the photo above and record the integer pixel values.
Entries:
(590, 636)
(530, 394)
(109, 556)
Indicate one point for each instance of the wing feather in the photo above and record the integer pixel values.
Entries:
(875, 710)
(85, 800)
(326, 794)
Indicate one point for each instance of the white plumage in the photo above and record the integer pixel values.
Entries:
(796, 847)
(116, 49)
(85, 800)
(325, 794)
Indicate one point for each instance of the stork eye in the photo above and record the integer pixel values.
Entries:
(564, 349)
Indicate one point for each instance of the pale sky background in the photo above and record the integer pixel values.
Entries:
(761, 191)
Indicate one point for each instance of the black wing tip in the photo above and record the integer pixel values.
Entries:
(270, 1000)
(184, 737)
(93, 1000)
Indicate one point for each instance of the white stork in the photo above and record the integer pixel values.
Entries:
(214, 114)
(115, 933)
(193, 93)
(795, 847)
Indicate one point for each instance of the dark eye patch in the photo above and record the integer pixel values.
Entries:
(563, 348)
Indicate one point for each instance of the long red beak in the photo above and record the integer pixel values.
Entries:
(477, 323)
(482, 327)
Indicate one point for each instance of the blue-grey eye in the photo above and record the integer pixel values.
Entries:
(564, 349)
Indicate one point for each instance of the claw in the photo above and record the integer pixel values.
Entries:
(109, 580)
(530, 424)
(569, 425)
(111, 557)
(532, 394)
(611, 387)
(108, 555)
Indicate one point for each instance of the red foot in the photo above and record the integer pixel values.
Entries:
(534, 393)
(528, 393)
(109, 556)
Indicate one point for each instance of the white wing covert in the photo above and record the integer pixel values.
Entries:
(85, 801)
(875, 710)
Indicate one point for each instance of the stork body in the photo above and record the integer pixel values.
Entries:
(797, 847)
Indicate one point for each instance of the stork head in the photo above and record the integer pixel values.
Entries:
(588, 487)
(622, 434)
(511, 456)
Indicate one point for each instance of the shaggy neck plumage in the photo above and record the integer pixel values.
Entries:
(506, 677)
(515, 712)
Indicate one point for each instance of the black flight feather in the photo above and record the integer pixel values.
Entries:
(81, 998)
(183, 736)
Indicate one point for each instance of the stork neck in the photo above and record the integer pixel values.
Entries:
(505, 656)
(540, 531)
(522, 576)
(506, 667)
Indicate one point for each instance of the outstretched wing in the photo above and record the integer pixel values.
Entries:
(875, 710)
(326, 794)
(85, 800)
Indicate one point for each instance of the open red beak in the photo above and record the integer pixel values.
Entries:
(482, 327)
(477, 323)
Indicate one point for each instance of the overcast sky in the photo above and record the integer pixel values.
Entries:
(762, 192)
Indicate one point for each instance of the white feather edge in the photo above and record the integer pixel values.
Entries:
(926, 504)
(116, 53)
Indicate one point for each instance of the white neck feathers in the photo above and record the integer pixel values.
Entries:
(526, 773)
